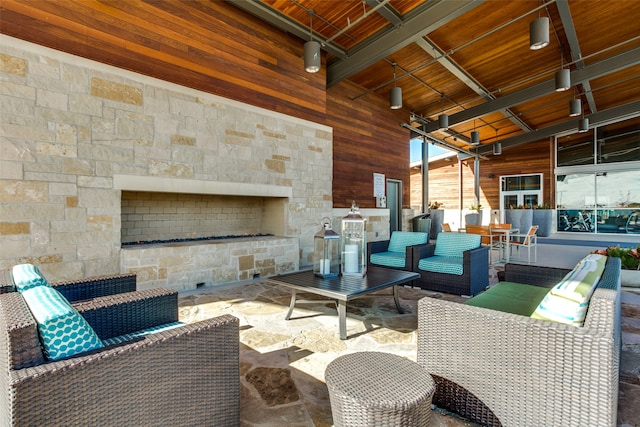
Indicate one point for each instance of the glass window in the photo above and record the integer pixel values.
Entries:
(619, 142)
(576, 149)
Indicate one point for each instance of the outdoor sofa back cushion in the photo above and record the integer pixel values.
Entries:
(27, 276)
(62, 330)
(401, 239)
(568, 301)
(454, 244)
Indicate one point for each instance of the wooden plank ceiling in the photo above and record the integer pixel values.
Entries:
(469, 59)
(486, 43)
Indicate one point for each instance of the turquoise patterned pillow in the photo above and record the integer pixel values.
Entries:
(63, 331)
(27, 276)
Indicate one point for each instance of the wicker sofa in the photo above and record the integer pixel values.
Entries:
(188, 375)
(499, 368)
(455, 264)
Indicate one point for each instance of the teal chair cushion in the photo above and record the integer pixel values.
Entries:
(388, 259)
(454, 244)
(141, 334)
(401, 239)
(442, 264)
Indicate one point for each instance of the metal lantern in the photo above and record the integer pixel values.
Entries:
(326, 244)
(354, 243)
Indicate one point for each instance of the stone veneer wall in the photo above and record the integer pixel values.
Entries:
(72, 127)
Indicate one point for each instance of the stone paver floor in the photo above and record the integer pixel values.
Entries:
(283, 362)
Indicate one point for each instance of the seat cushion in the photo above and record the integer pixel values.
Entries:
(389, 259)
(454, 244)
(442, 264)
(401, 239)
(141, 334)
(27, 276)
(62, 330)
(510, 297)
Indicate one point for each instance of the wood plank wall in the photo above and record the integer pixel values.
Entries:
(365, 142)
(217, 48)
(525, 159)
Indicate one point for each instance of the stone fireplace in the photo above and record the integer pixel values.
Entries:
(115, 156)
(163, 232)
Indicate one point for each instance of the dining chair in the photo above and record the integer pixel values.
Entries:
(497, 237)
(529, 240)
(446, 227)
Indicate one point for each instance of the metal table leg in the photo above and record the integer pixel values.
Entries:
(291, 304)
(342, 319)
(397, 301)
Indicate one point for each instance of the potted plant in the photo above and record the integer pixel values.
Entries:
(543, 218)
(474, 217)
(437, 218)
(520, 217)
(630, 260)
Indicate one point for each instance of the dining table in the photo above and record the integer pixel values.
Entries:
(504, 239)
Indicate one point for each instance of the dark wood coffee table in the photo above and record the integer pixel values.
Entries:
(344, 288)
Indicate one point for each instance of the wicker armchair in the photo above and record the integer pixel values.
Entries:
(188, 375)
(475, 271)
(504, 369)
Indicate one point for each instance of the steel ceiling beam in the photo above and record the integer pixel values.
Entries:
(387, 12)
(386, 42)
(574, 46)
(283, 22)
(601, 118)
(439, 55)
(440, 142)
(590, 72)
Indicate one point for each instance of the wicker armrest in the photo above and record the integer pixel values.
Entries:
(83, 289)
(93, 287)
(534, 275)
(187, 375)
(115, 315)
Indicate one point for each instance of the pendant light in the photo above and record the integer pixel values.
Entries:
(575, 108)
(562, 77)
(583, 124)
(312, 60)
(539, 33)
(497, 146)
(475, 135)
(395, 95)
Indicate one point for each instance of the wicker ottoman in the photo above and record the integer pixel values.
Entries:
(379, 389)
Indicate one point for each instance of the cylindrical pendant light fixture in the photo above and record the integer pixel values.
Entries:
(443, 121)
(497, 148)
(583, 124)
(312, 56)
(563, 80)
(395, 94)
(312, 59)
(539, 33)
(395, 98)
(575, 108)
(475, 137)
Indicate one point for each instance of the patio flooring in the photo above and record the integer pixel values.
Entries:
(283, 362)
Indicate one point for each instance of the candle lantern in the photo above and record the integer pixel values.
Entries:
(354, 243)
(326, 251)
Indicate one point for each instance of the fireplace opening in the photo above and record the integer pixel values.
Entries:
(162, 217)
